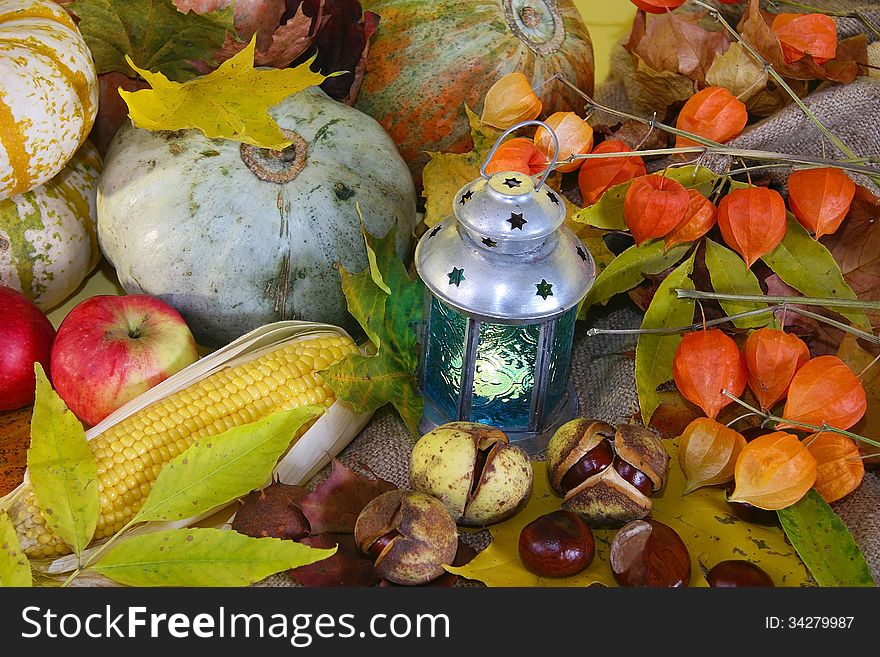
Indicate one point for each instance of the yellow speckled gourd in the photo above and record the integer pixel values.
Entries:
(48, 242)
(48, 95)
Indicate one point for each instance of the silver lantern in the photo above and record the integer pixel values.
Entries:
(503, 279)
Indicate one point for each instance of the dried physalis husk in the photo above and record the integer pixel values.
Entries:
(773, 471)
(574, 134)
(654, 206)
(713, 113)
(772, 358)
(707, 453)
(698, 220)
(707, 364)
(509, 101)
(825, 391)
(806, 34)
(598, 175)
(820, 198)
(752, 221)
(518, 154)
(840, 469)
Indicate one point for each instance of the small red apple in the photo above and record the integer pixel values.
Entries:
(110, 349)
(25, 338)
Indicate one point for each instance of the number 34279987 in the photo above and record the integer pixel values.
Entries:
(808, 622)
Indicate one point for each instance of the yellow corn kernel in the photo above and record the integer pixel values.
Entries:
(131, 453)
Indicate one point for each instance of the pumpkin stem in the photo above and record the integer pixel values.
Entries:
(277, 166)
(538, 24)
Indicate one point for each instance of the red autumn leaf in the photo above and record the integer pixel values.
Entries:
(676, 43)
(772, 358)
(820, 198)
(518, 154)
(713, 113)
(825, 391)
(752, 221)
(658, 6)
(112, 110)
(806, 34)
(345, 568)
(335, 503)
(654, 205)
(698, 220)
(706, 364)
(260, 17)
(597, 175)
(755, 29)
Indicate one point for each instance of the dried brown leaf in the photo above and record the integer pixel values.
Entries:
(650, 90)
(738, 72)
(345, 568)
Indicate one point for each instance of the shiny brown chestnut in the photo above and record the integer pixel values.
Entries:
(651, 554)
(557, 544)
(736, 573)
(606, 491)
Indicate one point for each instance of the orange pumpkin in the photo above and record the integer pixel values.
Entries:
(429, 57)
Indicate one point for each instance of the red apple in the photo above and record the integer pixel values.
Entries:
(111, 349)
(25, 338)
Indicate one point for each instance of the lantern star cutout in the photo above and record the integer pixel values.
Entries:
(512, 182)
(516, 220)
(553, 197)
(466, 196)
(490, 242)
(545, 289)
(582, 254)
(456, 276)
(435, 231)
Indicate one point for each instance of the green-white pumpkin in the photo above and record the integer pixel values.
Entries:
(234, 236)
(47, 235)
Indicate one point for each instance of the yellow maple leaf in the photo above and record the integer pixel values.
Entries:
(702, 519)
(231, 102)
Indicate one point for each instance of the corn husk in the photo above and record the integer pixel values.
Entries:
(325, 438)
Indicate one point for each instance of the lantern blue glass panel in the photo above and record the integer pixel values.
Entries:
(504, 374)
(445, 343)
(560, 358)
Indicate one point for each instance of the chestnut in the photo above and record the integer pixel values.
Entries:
(410, 536)
(557, 544)
(649, 553)
(606, 474)
(736, 573)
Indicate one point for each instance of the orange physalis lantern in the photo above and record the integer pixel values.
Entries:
(773, 471)
(575, 136)
(654, 205)
(518, 154)
(658, 6)
(772, 358)
(707, 453)
(510, 101)
(826, 391)
(806, 34)
(820, 198)
(598, 175)
(752, 221)
(706, 364)
(698, 220)
(713, 113)
(840, 468)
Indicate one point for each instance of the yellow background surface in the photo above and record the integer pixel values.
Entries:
(608, 20)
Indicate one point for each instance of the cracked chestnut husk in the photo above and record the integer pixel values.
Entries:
(474, 470)
(606, 475)
(409, 535)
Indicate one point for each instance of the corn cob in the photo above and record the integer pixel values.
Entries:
(131, 453)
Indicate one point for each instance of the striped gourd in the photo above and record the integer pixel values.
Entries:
(131, 453)
(48, 95)
(48, 243)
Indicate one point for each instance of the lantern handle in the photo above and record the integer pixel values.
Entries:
(543, 175)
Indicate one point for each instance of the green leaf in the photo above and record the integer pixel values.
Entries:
(730, 275)
(369, 382)
(218, 469)
(654, 353)
(202, 557)
(824, 543)
(607, 212)
(62, 468)
(630, 268)
(15, 569)
(807, 266)
(154, 33)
